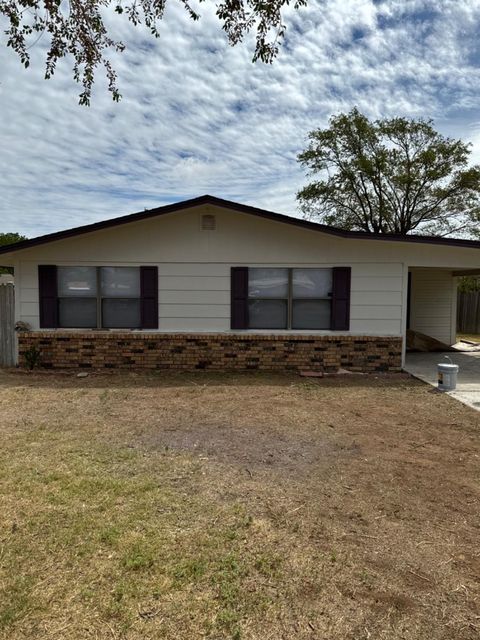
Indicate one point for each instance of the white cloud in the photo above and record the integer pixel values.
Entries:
(198, 117)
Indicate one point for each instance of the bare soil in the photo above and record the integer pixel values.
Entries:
(237, 506)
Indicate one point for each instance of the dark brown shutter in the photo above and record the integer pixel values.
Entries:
(239, 298)
(47, 295)
(149, 297)
(341, 298)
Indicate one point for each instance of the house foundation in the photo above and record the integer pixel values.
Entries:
(212, 352)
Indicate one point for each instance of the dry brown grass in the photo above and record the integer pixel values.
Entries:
(252, 507)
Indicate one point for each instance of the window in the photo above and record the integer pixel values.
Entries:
(280, 298)
(77, 297)
(99, 297)
(268, 298)
(120, 291)
(311, 298)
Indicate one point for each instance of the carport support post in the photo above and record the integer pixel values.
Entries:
(453, 320)
(404, 312)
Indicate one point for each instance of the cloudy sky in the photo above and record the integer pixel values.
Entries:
(198, 117)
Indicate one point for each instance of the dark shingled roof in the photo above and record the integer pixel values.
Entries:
(242, 208)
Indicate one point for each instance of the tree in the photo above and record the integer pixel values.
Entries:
(469, 284)
(390, 176)
(9, 238)
(78, 28)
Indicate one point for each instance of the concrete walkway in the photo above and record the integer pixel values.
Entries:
(424, 367)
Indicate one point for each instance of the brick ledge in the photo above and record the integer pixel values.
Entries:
(159, 335)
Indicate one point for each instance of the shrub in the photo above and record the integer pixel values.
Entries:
(32, 357)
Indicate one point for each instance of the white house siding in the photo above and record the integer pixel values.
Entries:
(192, 299)
(26, 293)
(433, 304)
(194, 265)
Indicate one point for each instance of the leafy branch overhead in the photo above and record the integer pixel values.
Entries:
(78, 28)
(9, 238)
(390, 176)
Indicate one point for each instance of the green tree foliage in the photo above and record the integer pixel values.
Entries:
(9, 238)
(78, 29)
(469, 284)
(390, 176)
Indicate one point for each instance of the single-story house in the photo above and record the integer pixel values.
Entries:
(212, 284)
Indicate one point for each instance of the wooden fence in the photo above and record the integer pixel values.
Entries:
(468, 312)
(7, 325)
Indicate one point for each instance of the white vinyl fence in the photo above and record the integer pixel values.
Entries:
(7, 325)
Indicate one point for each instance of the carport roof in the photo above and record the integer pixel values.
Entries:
(241, 208)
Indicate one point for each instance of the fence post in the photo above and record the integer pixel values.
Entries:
(7, 322)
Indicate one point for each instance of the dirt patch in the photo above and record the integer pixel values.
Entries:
(239, 446)
(251, 446)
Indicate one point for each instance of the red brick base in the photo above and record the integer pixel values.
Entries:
(215, 352)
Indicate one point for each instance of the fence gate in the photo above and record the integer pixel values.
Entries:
(7, 325)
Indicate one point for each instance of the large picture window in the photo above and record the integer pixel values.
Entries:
(99, 297)
(281, 298)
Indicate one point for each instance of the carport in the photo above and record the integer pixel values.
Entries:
(431, 304)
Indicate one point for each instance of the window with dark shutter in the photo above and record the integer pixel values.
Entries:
(47, 293)
(149, 297)
(239, 298)
(290, 298)
(341, 298)
(98, 297)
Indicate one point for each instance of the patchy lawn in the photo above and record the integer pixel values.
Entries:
(242, 507)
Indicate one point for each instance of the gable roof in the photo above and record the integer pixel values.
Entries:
(241, 208)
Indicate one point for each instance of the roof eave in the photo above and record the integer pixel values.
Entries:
(241, 208)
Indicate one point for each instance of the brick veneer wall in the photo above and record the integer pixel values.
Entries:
(215, 352)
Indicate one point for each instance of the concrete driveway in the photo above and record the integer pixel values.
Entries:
(424, 367)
